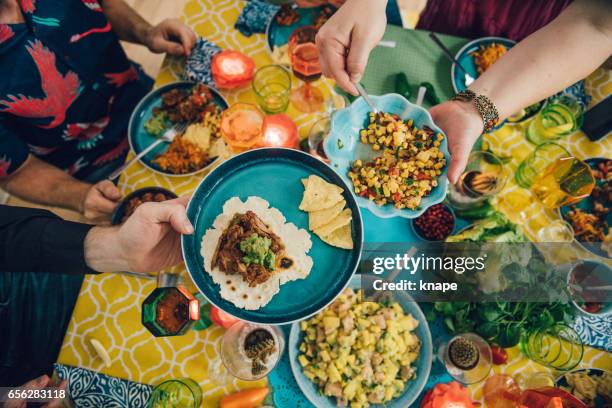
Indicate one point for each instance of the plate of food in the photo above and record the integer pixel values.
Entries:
(395, 161)
(384, 358)
(195, 105)
(287, 20)
(591, 386)
(130, 202)
(591, 218)
(278, 235)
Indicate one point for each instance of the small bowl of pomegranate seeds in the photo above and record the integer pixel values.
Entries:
(435, 224)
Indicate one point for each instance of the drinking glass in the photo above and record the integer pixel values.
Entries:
(483, 177)
(558, 347)
(559, 117)
(556, 231)
(177, 393)
(537, 162)
(316, 137)
(466, 372)
(565, 181)
(305, 64)
(272, 86)
(251, 351)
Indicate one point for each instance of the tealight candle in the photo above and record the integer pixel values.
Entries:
(280, 131)
(232, 69)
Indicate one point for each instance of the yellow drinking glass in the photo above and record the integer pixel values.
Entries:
(565, 181)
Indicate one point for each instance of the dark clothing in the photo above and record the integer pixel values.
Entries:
(41, 271)
(513, 19)
(67, 89)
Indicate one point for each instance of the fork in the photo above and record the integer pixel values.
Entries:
(167, 137)
(468, 78)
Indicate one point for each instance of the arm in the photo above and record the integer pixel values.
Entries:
(37, 240)
(169, 36)
(45, 184)
(563, 52)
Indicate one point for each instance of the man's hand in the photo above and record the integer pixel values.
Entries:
(148, 241)
(170, 36)
(38, 384)
(462, 125)
(100, 201)
(346, 40)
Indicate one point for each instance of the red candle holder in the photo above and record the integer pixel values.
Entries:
(232, 69)
(280, 131)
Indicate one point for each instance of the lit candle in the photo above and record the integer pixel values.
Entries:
(280, 131)
(232, 69)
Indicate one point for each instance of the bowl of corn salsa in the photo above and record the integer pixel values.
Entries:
(396, 162)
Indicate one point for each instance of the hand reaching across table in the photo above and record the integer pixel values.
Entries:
(40, 383)
(346, 40)
(170, 36)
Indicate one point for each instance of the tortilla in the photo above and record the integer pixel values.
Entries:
(343, 219)
(297, 243)
(341, 237)
(317, 219)
(319, 194)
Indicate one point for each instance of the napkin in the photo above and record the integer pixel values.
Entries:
(577, 91)
(91, 389)
(255, 17)
(595, 331)
(197, 66)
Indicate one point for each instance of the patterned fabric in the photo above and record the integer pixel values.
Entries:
(90, 389)
(595, 331)
(197, 67)
(71, 89)
(255, 17)
(577, 91)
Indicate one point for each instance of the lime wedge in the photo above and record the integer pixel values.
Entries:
(101, 352)
(561, 128)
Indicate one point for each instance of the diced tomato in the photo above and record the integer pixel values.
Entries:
(363, 193)
(394, 171)
(423, 176)
(500, 355)
(197, 100)
(396, 197)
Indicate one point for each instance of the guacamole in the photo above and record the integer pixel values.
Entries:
(156, 126)
(256, 250)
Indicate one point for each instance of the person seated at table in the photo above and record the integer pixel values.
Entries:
(67, 91)
(568, 49)
(36, 306)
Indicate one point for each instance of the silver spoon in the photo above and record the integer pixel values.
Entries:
(365, 96)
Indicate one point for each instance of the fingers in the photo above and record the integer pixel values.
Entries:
(359, 52)
(37, 383)
(459, 158)
(171, 47)
(183, 200)
(187, 37)
(58, 403)
(109, 190)
(171, 212)
(184, 37)
(333, 63)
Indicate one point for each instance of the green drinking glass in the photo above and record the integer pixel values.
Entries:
(177, 393)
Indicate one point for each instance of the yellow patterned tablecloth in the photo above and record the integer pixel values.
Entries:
(108, 308)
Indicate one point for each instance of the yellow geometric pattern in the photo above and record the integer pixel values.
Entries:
(108, 308)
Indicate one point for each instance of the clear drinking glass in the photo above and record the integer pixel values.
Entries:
(251, 351)
(559, 117)
(316, 137)
(467, 358)
(565, 181)
(559, 347)
(306, 66)
(272, 87)
(537, 162)
(556, 231)
(483, 177)
(177, 393)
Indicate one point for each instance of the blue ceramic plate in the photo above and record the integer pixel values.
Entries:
(587, 205)
(467, 61)
(274, 175)
(343, 146)
(140, 139)
(119, 212)
(413, 388)
(278, 35)
(592, 372)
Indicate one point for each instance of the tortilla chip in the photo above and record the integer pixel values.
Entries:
(319, 218)
(319, 194)
(341, 237)
(341, 220)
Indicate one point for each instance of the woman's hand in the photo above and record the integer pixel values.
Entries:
(346, 40)
(39, 383)
(462, 125)
(170, 36)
